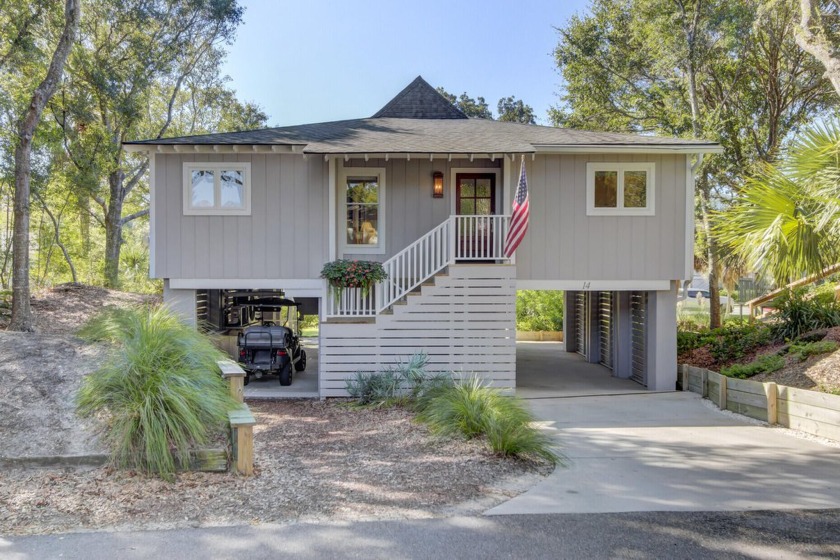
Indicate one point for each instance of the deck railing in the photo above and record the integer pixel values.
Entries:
(459, 238)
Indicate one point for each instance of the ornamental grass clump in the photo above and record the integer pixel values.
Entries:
(470, 409)
(159, 393)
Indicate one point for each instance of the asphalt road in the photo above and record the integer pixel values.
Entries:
(671, 535)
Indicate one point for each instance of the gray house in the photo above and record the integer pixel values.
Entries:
(428, 191)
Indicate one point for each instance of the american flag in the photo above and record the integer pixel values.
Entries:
(519, 218)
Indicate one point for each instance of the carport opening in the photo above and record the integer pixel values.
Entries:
(604, 336)
(269, 334)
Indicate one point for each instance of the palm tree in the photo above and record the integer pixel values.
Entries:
(786, 220)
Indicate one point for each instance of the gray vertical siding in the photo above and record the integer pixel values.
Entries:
(410, 209)
(284, 237)
(563, 243)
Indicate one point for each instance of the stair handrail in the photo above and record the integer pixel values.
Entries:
(415, 264)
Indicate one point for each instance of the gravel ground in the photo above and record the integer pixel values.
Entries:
(315, 461)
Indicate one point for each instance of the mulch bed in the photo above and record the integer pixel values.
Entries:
(315, 460)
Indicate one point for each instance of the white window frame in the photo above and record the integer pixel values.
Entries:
(343, 174)
(620, 168)
(217, 166)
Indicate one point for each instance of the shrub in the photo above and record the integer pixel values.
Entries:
(539, 310)
(797, 314)
(689, 340)
(765, 364)
(159, 391)
(404, 380)
(470, 409)
(734, 342)
(803, 351)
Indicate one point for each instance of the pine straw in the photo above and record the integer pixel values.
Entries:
(315, 460)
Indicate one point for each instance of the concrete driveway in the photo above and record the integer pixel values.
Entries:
(671, 452)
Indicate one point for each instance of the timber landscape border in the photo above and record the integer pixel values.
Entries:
(812, 412)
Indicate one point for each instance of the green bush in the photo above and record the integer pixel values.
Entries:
(159, 392)
(406, 380)
(728, 343)
(765, 364)
(803, 351)
(470, 409)
(539, 310)
(797, 314)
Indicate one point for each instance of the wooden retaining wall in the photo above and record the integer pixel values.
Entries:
(811, 412)
(465, 322)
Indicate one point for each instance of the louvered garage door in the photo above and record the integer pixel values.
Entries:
(638, 314)
(581, 315)
(606, 327)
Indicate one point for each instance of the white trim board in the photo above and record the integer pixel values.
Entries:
(595, 285)
(608, 149)
(312, 287)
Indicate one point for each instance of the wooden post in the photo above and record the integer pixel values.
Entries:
(704, 383)
(722, 394)
(772, 392)
(235, 376)
(684, 378)
(245, 450)
(242, 424)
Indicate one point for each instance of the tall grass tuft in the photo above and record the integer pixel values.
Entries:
(470, 409)
(159, 391)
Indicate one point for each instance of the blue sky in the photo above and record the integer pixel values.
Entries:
(316, 60)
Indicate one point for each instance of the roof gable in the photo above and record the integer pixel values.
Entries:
(419, 100)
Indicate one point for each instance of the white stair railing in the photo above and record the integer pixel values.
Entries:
(480, 238)
(415, 264)
(459, 238)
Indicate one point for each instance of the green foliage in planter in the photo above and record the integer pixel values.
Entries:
(159, 391)
(539, 310)
(471, 409)
(797, 314)
(803, 351)
(765, 364)
(344, 273)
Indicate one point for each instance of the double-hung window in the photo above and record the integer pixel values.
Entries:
(620, 189)
(217, 189)
(362, 199)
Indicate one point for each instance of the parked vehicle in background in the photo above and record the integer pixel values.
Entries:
(272, 347)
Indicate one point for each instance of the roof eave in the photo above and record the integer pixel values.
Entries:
(628, 149)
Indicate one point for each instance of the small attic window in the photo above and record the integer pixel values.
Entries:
(217, 189)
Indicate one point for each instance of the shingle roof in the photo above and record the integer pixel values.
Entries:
(419, 100)
(415, 122)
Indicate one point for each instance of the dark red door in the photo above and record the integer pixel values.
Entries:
(475, 201)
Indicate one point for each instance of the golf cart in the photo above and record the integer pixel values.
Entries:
(271, 346)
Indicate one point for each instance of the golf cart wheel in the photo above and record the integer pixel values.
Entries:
(247, 379)
(286, 375)
(301, 363)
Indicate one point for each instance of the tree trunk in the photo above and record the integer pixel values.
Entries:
(113, 229)
(21, 309)
(703, 189)
(817, 44)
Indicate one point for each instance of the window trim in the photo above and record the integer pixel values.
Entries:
(620, 168)
(346, 248)
(243, 166)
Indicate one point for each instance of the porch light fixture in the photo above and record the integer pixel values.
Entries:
(437, 177)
